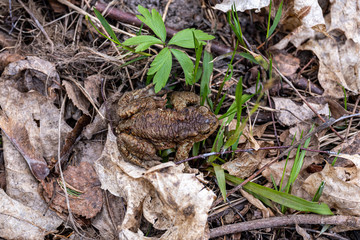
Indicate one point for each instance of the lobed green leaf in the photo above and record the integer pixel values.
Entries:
(161, 67)
(185, 39)
(153, 21)
(143, 42)
(186, 64)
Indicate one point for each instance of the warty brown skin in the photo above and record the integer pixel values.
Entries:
(149, 130)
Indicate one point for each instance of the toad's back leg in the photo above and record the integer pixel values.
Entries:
(135, 149)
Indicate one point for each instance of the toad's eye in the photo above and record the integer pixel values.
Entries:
(205, 128)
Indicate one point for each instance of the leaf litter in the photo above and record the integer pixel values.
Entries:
(176, 204)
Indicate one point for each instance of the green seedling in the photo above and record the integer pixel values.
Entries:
(281, 198)
(160, 68)
(270, 30)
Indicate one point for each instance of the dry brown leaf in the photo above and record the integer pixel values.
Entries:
(286, 63)
(173, 201)
(77, 97)
(245, 163)
(92, 86)
(18, 220)
(6, 57)
(336, 109)
(84, 181)
(290, 113)
(247, 135)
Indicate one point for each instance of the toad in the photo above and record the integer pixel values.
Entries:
(147, 126)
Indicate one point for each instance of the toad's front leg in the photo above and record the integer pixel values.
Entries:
(137, 150)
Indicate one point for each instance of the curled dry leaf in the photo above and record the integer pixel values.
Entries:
(33, 73)
(37, 115)
(339, 63)
(77, 97)
(266, 212)
(290, 113)
(173, 201)
(86, 197)
(18, 220)
(19, 137)
(339, 193)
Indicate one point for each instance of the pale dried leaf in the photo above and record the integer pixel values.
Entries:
(116, 181)
(18, 220)
(18, 135)
(345, 16)
(309, 12)
(40, 118)
(290, 113)
(242, 5)
(339, 64)
(303, 232)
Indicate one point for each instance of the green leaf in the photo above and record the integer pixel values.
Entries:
(276, 20)
(106, 26)
(161, 67)
(233, 107)
(153, 21)
(220, 177)
(198, 52)
(143, 42)
(186, 64)
(282, 198)
(249, 57)
(185, 39)
(208, 66)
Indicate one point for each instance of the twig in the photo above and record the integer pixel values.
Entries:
(38, 25)
(166, 10)
(351, 119)
(348, 221)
